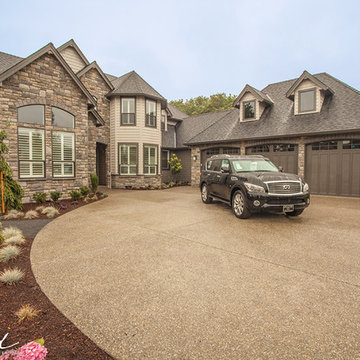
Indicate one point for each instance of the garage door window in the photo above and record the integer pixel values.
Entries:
(260, 148)
(351, 144)
(284, 147)
(325, 145)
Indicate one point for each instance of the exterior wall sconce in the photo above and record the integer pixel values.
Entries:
(194, 157)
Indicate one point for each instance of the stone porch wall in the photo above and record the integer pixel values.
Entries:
(134, 182)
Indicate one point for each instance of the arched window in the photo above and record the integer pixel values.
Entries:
(31, 114)
(62, 118)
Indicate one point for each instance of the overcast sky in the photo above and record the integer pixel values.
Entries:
(188, 48)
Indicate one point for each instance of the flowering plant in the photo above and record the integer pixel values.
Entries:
(34, 350)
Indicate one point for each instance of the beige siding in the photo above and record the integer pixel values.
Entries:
(163, 112)
(139, 134)
(307, 84)
(259, 107)
(113, 150)
(73, 59)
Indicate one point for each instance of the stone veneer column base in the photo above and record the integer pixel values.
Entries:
(134, 182)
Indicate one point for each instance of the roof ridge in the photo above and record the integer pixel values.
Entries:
(215, 122)
(3, 52)
(209, 112)
(341, 82)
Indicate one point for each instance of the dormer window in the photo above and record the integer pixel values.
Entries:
(249, 109)
(307, 100)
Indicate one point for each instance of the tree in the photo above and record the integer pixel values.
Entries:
(175, 165)
(203, 104)
(13, 192)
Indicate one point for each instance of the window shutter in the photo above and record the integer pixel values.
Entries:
(24, 144)
(68, 143)
(63, 146)
(56, 147)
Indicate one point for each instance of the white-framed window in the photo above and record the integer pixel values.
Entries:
(31, 153)
(62, 118)
(150, 159)
(165, 158)
(128, 159)
(150, 117)
(63, 154)
(307, 100)
(128, 111)
(249, 109)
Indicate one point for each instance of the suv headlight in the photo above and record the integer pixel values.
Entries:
(251, 188)
(305, 187)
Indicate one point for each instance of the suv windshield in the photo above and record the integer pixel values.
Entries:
(246, 165)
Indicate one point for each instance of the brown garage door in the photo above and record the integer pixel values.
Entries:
(285, 155)
(333, 167)
(205, 154)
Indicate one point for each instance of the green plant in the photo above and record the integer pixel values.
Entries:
(40, 197)
(26, 312)
(10, 231)
(84, 190)
(94, 198)
(55, 195)
(14, 214)
(50, 212)
(13, 192)
(15, 240)
(9, 252)
(175, 164)
(11, 276)
(87, 199)
(40, 208)
(31, 214)
(171, 184)
(75, 195)
(94, 180)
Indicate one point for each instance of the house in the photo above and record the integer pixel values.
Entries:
(66, 119)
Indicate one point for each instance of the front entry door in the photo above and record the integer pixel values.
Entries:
(101, 163)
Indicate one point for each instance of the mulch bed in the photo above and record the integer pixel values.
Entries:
(62, 339)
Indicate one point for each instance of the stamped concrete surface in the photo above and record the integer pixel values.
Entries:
(160, 275)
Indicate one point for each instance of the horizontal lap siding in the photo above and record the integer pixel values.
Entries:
(73, 59)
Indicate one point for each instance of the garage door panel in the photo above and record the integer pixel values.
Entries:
(346, 174)
(332, 174)
(355, 185)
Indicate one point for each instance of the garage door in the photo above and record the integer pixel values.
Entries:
(205, 154)
(285, 155)
(333, 167)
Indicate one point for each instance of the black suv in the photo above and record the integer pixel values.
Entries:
(252, 183)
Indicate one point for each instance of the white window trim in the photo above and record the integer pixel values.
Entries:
(62, 161)
(128, 155)
(149, 165)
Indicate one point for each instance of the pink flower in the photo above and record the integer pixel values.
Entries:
(31, 351)
(8, 355)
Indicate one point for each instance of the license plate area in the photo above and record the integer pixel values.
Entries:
(288, 208)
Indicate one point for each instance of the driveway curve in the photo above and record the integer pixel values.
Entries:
(159, 275)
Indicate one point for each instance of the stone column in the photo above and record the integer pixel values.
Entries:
(195, 165)
(301, 158)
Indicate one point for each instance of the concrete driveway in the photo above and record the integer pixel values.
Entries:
(160, 275)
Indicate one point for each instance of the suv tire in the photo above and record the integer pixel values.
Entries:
(295, 212)
(205, 197)
(239, 205)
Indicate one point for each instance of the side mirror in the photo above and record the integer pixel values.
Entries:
(280, 168)
(225, 169)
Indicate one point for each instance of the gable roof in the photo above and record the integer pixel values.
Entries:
(339, 113)
(47, 48)
(307, 76)
(175, 113)
(72, 43)
(7, 61)
(95, 66)
(260, 95)
(132, 84)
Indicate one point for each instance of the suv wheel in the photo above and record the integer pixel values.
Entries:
(295, 212)
(205, 194)
(239, 205)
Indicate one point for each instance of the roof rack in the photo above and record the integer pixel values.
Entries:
(219, 156)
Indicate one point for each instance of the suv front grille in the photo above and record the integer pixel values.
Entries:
(284, 187)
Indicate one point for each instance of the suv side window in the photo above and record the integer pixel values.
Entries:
(216, 165)
(209, 165)
(225, 164)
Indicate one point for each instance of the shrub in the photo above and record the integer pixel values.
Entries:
(12, 215)
(171, 184)
(34, 350)
(84, 190)
(94, 198)
(40, 208)
(175, 164)
(40, 197)
(94, 179)
(31, 214)
(75, 195)
(11, 276)
(10, 231)
(15, 240)
(26, 312)
(13, 192)
(55, 195)
(50, 212)
(87, 199)
(9, 252)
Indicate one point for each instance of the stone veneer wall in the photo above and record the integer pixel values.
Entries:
(134, 182)
(45, 81)
(97, 87)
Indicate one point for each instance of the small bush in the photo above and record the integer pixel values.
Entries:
(50, 212)
(40, 197)
(84, 190)
(94, 180)
(10, 231)
(55, 195)
(31, 214)
(87, 199)
(26, 312)
(171, 184)
(75, 195)
(15, 240)
(2, 239)
(94, 198)
(9, 252)
(11, 276)
(12, 215)
(40, 208)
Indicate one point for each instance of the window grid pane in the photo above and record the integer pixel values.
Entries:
(150, 160)
(307, 100)
(128, 159)
(63, 154)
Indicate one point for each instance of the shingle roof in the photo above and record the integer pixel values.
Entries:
(340, 112)
(176, 113)
(7, 61)
(111, 77)
(133, 84)
(262, 96)
(168, 137)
